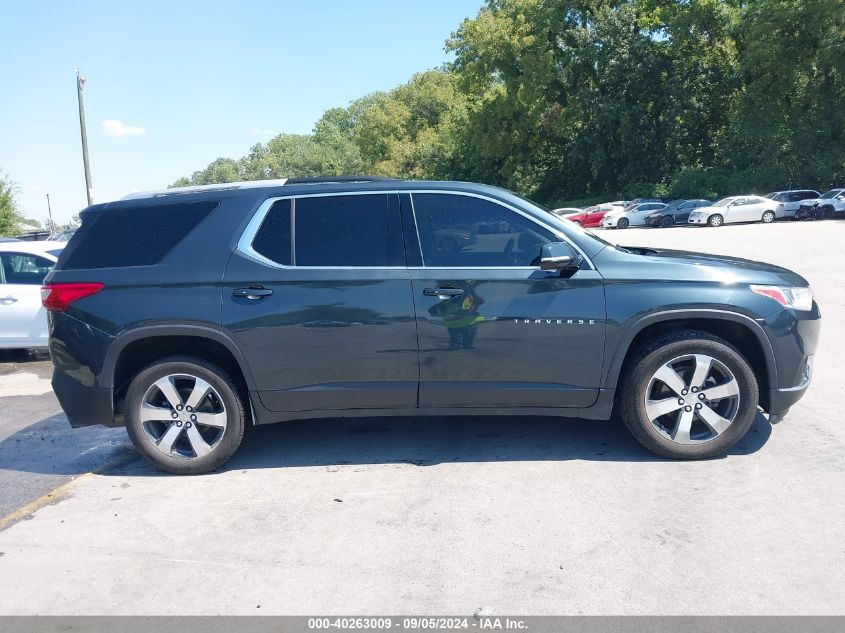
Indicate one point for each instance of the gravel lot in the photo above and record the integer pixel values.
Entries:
(528, 516)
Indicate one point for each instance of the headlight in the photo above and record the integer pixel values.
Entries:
(787, 296)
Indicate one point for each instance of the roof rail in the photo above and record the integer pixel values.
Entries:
(252, 184)
(223, 186)
(314, 180)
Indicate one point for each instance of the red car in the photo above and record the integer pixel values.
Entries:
(589, 217)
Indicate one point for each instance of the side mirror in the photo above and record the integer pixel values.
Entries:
(558, 256)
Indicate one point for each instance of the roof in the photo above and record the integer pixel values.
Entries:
(253, 184)
(33, 247)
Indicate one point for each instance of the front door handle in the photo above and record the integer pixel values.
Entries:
(252, 293)
(8, 299)
(443, 292)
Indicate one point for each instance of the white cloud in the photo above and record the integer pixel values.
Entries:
(113, 127)
(265, 131)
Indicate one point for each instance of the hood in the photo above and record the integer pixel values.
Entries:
(655, 263)
(708, 210)
(615, 214)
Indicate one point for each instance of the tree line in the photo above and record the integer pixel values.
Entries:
(578, 100)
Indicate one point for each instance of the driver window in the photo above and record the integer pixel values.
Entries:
(23, 268)
(467, 232)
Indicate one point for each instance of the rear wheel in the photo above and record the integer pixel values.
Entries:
(689, 395)
(768, 217)
(578, 222)
(184, 415)
(622, 223)
(667, 220)
(715, 220)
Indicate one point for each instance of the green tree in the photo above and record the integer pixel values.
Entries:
(9, 217)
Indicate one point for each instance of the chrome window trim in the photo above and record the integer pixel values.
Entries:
(245, 242)
(501, 203)
(244, 245)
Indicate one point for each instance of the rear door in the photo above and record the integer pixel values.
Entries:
(22, 317)
(319, 300)
(494, 330)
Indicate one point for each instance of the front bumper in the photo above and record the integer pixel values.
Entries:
(794, 337)
(698, 220)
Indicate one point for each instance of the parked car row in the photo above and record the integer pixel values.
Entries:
(796, 204)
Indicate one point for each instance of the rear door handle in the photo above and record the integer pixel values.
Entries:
(8, 299)
(252, 293)
(443, 292)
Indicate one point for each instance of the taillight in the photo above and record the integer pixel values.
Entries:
(57, 297)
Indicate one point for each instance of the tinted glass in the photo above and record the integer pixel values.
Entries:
(465, 232)
(273, 238)
(342, 231)
(137, 236)
(21, 268)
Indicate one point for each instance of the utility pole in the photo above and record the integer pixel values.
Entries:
(80, 81)
(50, 215)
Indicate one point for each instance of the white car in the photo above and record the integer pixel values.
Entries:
(635, 216)
(790, 201)
(736, 209)
(23, 266)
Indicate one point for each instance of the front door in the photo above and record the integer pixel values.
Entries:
(494, 330)
(319, 300)
(22, 318)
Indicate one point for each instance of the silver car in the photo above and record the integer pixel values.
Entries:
(790, 201)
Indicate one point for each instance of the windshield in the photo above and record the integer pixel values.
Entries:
(832, 193)
(723, 202)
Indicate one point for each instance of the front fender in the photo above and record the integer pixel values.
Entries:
(615, 354)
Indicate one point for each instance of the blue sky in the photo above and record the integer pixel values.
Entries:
(173, 85)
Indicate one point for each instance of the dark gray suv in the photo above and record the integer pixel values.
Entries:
(187, 314)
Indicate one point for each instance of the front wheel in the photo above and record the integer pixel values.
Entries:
(667, 221)
(715, 220)
(578, 222)
(184, 415)
(768, 217)
(622, 223)
(689, 395)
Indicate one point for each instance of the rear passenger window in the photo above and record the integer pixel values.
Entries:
(136, 236)
(273, 238)
(341, 231)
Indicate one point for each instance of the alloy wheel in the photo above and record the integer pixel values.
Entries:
(768, 217)
(183, 416)
(692, 399)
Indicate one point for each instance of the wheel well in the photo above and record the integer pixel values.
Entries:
(738, 335)
(140, 353)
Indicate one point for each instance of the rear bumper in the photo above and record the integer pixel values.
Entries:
(84, 406)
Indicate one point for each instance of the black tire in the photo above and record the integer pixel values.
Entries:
(768, 217)
(651, 357)
(622, 223)
(715, 220)
(226, 394)
(578, 222)
(667, 220)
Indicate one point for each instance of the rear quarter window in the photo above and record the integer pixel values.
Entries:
(134, 236)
